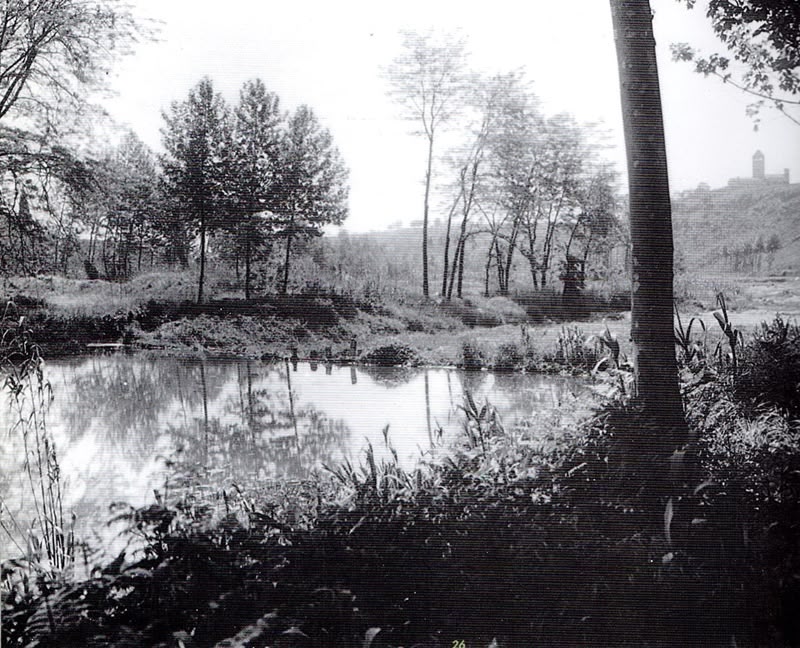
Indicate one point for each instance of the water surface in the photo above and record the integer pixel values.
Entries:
(116, 418)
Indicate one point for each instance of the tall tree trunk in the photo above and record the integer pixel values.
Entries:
(202, 255)
(502, 280)
(488, 268)
(656, 372)
(425, 291)
(512, 245)
(285, 285)
(447, 249)
(454, 270)
(247, 253)
(459, 288)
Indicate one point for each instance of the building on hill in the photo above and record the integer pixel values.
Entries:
(759, 175)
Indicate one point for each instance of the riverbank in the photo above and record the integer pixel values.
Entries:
(69, 317)
(155, 313)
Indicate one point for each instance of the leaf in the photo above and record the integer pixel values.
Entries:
(369, 637)
(668, 514)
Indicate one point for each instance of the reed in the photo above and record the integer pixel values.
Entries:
(49, 542)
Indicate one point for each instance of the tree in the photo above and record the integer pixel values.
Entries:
(592, 225)
(656, 373)
(256, 169)
(119, 211)
(509, 201)
(313, 186)
(490, 99)
(197, 142)
(762, 35)
(53, 180)
(52, 51)
(428, 80)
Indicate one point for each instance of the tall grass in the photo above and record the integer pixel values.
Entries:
(50, 542)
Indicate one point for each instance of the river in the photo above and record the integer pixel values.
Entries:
(118, 419)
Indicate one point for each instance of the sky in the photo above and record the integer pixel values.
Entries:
(332, 56)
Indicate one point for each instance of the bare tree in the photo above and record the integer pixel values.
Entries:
(427, 79)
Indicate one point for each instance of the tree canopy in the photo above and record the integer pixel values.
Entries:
(52, 51)
(763, 37)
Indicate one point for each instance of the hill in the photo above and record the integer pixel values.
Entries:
(751, 229)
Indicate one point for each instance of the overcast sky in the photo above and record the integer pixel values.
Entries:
(330, 55)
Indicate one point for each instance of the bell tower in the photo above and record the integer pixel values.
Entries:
(758, 165)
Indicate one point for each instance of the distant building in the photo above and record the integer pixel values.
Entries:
(759, 175)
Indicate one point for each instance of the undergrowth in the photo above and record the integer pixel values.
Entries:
(552, 532)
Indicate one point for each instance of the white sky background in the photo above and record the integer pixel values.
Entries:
(331, 56)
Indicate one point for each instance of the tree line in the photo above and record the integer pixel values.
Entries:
(532, 184)
(251, 175)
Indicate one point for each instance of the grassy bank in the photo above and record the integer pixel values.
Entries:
(155, 312)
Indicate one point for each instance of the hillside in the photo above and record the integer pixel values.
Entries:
(753, 229)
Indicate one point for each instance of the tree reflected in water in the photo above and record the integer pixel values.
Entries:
(117, 418)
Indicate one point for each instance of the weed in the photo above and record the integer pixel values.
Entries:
(769, 368)
(690, 349)
(732, 334)
(574, 349)
(51, 544)
(392, 355)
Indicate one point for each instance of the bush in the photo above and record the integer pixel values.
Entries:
(392, 355)
(473, 359)
(508, 357)
(769, 368)
(573, 350)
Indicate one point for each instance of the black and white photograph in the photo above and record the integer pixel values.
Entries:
(430, 324)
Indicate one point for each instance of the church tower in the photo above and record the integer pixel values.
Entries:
(758, 165)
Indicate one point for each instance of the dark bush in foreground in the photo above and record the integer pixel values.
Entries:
(769, 371)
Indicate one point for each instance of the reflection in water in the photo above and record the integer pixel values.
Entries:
(115, 419)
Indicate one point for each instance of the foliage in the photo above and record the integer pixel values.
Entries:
(53, 51)
(256, 171)
(313, 189)
(733, 336)
(574, 349)
(120, 209)
(690, 349)
(770, 368)
(195, 137)
(508, 358)
(392, 355)
(38, 174)
(472, 357)
(762, 36)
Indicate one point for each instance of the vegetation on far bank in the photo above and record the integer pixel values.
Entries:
(157, 312)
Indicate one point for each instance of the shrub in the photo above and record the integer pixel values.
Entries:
(508, 357)
(769, 368)
(473, 359)
(573, 350)
(392, 355)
